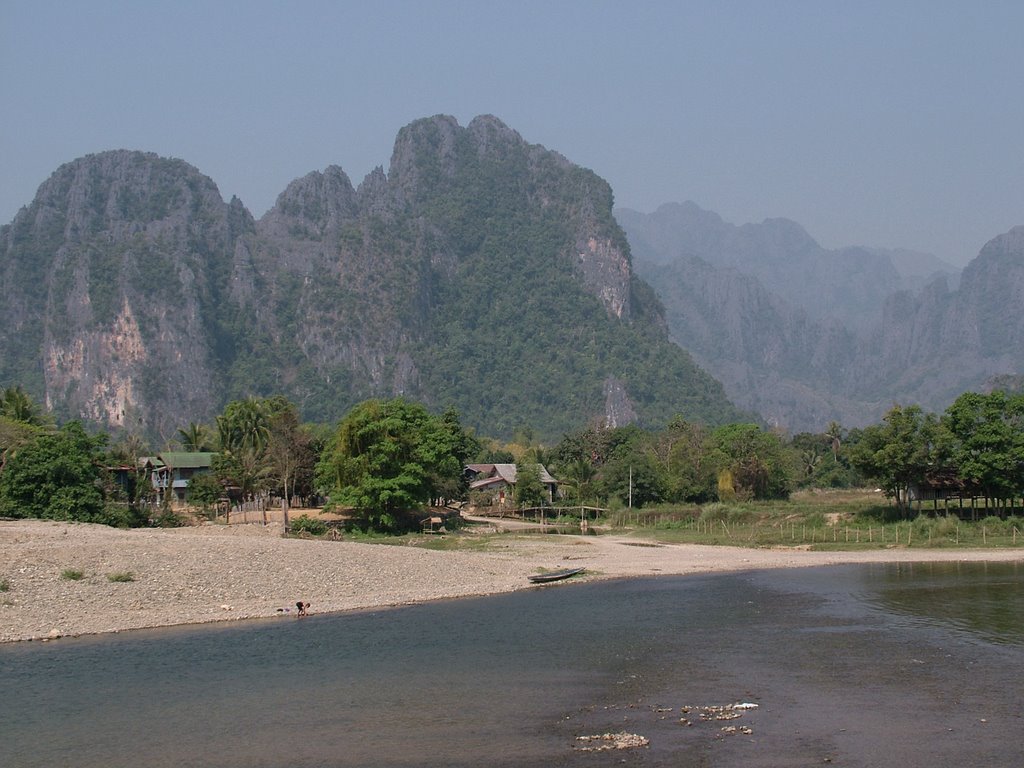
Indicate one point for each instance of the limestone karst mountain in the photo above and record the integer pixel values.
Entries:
(804, 336)
(480, 272)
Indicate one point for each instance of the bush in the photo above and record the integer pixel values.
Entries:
(946, 526)
(5, 585)
(995, 525)
(121, 576)
(729, 513)
(310, 525)
(168, 518)
(121, 515)
(72, 574)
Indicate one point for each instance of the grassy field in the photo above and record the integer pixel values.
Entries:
(820, 520)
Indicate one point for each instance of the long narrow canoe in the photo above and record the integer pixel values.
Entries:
(543, 578)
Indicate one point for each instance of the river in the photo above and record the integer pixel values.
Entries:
(865, 665)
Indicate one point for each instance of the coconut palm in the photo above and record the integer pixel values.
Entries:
(195, 437)
(835, 432)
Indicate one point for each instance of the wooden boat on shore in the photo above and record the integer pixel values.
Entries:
(544, 578)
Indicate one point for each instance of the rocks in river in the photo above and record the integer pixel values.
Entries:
(717, 712)
(605, 742)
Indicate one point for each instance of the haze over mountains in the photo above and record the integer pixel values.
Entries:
(480, 272)
(804, 335)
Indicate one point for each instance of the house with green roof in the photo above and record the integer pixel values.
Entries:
(175, 469)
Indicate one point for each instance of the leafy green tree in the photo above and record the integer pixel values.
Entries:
(388, 459)
(448, 486)
(591, 444)
(13, 435)
(988, 441)
(632, 473)
(530, 491)
(690, 461)
(834, 432)
(900, 451)
(810, 460)
(244, 426)
(756, 459)
(580, 475)
(205, 489)
(56, 476)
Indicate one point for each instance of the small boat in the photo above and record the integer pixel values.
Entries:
(544, 578)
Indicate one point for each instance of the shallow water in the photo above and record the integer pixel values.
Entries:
(861, 665)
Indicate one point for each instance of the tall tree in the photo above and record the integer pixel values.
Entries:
(243, 429)
(759, 465)
(988, 441)
(387, 460)
(56, 476)
(289, 449)
(530, 491)
(900, 451)
(691, 464)
(580, 474)
(834, 432)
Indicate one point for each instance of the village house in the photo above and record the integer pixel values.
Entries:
(497, 482)
(174, 470)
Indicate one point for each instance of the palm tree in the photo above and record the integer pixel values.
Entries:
(835, 431)
(244, 425)
(16, 405)
(244, 430)
(580, 473)
(195, 437)
(810, 459)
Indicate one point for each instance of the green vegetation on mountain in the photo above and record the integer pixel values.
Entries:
(481, 273)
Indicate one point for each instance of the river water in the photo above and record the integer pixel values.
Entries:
(867, 665)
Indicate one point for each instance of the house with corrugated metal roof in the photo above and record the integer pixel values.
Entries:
(499, 481)
(175, 470)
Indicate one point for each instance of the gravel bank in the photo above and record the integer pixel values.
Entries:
(218, 573)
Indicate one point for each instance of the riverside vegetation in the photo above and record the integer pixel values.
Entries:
(388, 461)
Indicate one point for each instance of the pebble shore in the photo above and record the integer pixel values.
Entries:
(217, 573)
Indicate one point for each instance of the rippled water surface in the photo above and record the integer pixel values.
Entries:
(862, 666)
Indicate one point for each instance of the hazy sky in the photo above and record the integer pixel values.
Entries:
(896, 124)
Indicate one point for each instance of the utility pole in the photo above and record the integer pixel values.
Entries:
(630, 486)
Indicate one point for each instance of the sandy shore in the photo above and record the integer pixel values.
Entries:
(218, 573)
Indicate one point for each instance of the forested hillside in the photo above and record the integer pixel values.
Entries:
(479, 272)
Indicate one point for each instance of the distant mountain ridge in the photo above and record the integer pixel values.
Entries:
(479, 272)
(804, 335)
(849, 284)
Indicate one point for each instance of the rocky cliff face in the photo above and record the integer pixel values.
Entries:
(779, 353)
(110, 281)
(480, 272)
(931, 346)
